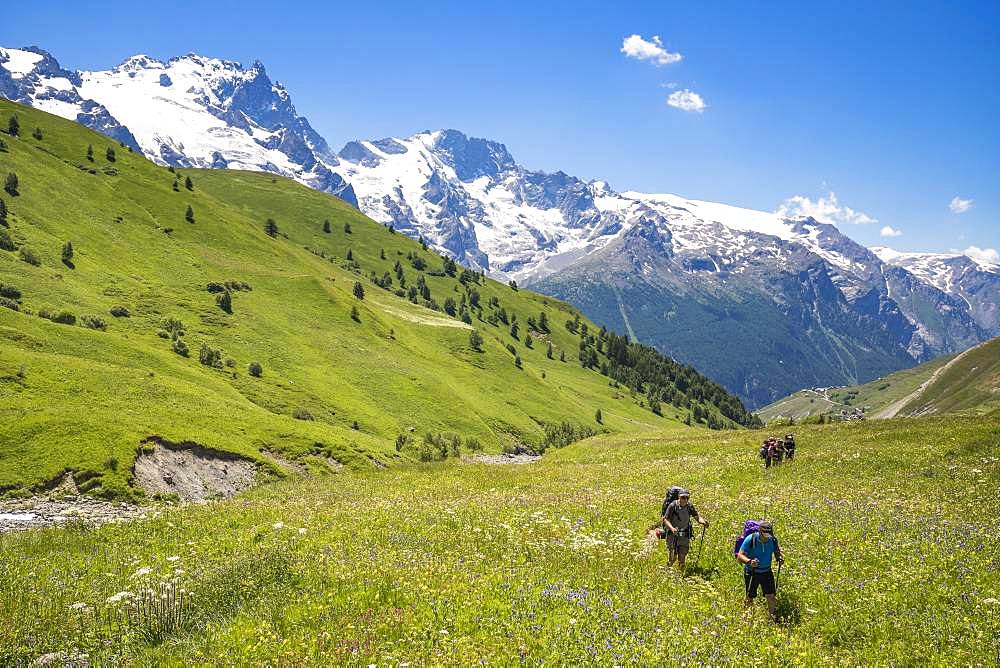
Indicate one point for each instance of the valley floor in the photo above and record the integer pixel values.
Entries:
(890, 530)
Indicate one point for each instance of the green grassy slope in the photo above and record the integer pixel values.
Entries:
(970, 383)
(889, 527)
(875, 395)
(81, 399)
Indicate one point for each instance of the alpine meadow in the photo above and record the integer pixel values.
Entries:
(415, 403)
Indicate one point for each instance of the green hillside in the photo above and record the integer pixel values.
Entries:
(873, 397)
(345, 378)
(968, 381)
(889, 528)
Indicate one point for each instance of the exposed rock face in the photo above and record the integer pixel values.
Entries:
(190, 471)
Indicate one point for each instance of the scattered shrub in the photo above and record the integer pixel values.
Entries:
(37, 134)
(6, 302)
(347, 228)
(271, 228)
(11, 184)
(3, 213)
(13, 126)
(10, 291)
(302, 414)
(6, 243)
(225, 301)
(255, 369)
(163, 334)
(326, 226)
(210, 356)
(174, 326)
(93, 322)
(30, 256)
(180, 347)
(67, 254)
(120, 312)
(475, 340)
(64, 318)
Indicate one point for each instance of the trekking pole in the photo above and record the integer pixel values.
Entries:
(700, 543)
(776, 578)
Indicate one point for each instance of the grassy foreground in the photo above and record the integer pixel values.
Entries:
(891, 531)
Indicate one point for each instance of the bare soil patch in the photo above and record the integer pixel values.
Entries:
(191, 471)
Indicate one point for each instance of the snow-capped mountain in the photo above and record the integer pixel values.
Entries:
(764, 303)
(187, 112)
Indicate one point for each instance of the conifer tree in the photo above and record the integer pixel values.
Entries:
(110, 154)
(188, 183)
(562, 356)
(13, 126)
(355, 316)
(3, 213)
(326, 226)
(90, 152)
(225, 301)
(548, 351)
(527, 340)
(347, 228)
(350, 255)
(271, 227)
(599, 417)
(67, 254)
(255, 369)
(381, 253)
(189, 214)
(517, 361)
(11, 184)
(513, 330)
(475, 340)
(359, 290)
(37, 133)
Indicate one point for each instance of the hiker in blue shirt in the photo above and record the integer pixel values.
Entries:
(755, 554)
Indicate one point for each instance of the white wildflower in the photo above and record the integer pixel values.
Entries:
(145, 570)
(302, 531)
(79, 605)
(173, 558)
(279, 525)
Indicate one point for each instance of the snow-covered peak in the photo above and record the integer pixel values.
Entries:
(733, 217)
(19, 62)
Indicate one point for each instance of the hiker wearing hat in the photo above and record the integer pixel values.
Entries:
(677, 521)
(755, 554)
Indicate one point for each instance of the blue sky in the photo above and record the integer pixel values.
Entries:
(890, 107)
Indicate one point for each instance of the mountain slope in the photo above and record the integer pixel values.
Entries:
(967, 381)
(82, 398)
(798, 301)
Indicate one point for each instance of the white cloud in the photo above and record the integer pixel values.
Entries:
(959, 205)
(826, 210)
(634, 46)
(984, 255)
(686, 100)
(890, 232)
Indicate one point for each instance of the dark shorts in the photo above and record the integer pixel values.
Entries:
(679, 544)
(753, 579)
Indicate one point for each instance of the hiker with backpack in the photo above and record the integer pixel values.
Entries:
(790, 446)
(677, 516)
(755, 551)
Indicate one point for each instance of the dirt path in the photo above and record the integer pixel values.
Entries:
(433, 321)
(893, 409)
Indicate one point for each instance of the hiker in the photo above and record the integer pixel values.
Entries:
(790, 446)
(779, 450)
(772, 452)
(755, 554)
(677, 521)
(763, 453)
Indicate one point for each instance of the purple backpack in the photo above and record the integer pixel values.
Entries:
(749, 527)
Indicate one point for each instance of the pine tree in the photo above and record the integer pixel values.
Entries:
(347, 228)
(599, 417)
(11, 184)
(177, 186)
(543, 322)
(527, 340)
(475, 340)
(13, 126)
(90, 152)
(67, 254)
(110, 154)
(326, 226)
(37, 134)
(517, 361)
(255, 369)
(359, 290)
(562, 356)
(188, 183)
(513, 330)
(381, 253)
(271, 227)
(355, 316)
(189, 214)
(3, 213)
(225, 301)
(548, 351)
(513, 284)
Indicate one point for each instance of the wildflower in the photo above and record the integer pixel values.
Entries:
(120, 596)
(443, 632)
(991, 601)
(279, 525)
(302, 531)
(79, 605)
(173, 558)
(572, 620)
(142, 571)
